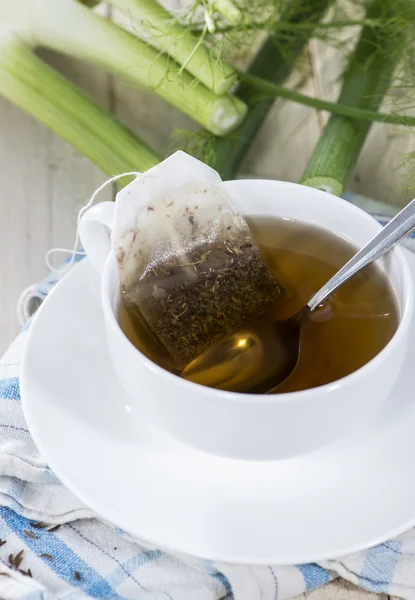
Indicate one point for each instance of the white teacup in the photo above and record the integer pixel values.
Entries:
(249, 426)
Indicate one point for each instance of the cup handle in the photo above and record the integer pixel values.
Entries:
(95, 233)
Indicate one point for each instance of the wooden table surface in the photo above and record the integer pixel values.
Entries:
(45, 182)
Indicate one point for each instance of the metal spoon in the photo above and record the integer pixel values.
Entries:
(261, 356)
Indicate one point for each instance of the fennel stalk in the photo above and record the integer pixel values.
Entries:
(71, 28)
(153, 23)
(366, 80)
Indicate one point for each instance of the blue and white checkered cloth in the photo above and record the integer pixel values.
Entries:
(86, 558)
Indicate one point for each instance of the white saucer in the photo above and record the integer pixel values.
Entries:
(343, 498)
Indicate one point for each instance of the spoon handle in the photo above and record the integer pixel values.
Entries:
(395, 230)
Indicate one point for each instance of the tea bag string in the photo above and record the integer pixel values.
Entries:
(74, 251)
(31, 297)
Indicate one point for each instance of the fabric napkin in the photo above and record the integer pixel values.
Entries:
(86, 558)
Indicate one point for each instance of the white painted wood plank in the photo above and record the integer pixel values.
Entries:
(24, 210)
(380, 172)
(44, 182)
(72, 177)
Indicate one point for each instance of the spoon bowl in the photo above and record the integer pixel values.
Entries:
(254, 359)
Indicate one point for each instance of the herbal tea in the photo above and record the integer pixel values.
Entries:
(363, 315)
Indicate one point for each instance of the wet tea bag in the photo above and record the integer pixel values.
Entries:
(186, 258)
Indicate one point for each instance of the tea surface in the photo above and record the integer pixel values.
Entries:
(363, 314)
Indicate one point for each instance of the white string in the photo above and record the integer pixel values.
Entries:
(74, 252)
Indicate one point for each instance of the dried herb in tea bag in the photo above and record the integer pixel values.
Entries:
(187, 260)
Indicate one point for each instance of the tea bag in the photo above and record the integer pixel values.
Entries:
(186, 258)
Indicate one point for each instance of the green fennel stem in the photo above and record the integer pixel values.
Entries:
(273, 62)
(35, 87)
(274, 89)
(157, 26)
(71, 28)
(365, 82)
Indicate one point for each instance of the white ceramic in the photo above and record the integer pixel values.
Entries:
(349, 495)
(244, 425)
